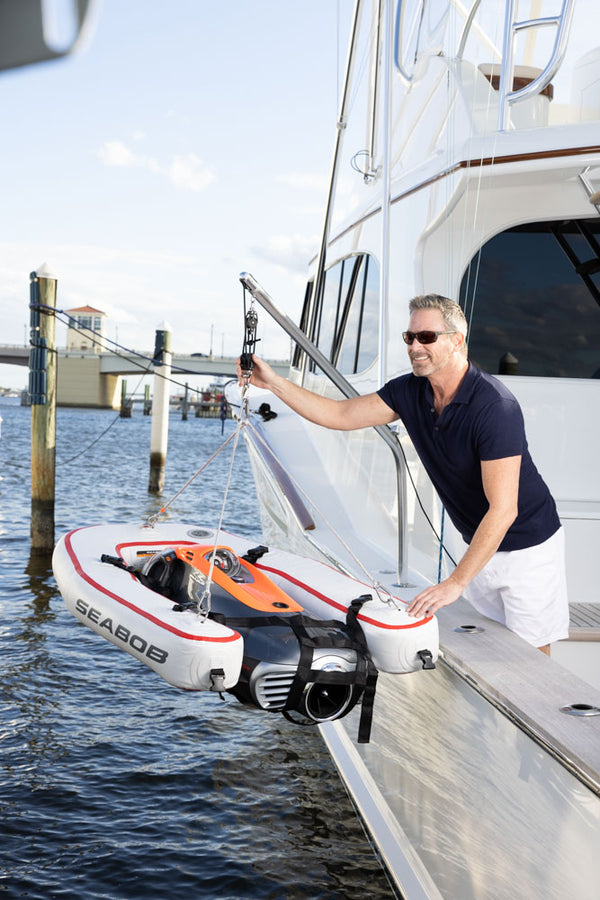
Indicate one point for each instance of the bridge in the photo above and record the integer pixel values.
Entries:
(134, 363)
(93, 379)
(13, 354)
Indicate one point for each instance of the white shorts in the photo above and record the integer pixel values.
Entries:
(526, 590)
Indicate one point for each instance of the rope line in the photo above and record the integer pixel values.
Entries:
(204, 605)
(205, 601)
(153, 519)
(64, 462)
(102, 341)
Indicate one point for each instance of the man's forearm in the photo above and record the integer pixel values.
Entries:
(486, 540)
(340, 415)
(314, 407)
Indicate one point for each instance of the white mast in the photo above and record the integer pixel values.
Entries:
(385, 186)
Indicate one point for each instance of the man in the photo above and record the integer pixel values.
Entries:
(469, 433)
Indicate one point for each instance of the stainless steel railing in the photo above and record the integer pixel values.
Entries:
(344, 386)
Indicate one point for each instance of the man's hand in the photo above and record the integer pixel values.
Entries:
(262, 376)
(434, 597)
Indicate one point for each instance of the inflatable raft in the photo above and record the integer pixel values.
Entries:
(279, 631)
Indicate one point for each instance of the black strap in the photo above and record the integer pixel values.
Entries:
(314, 634)
(368, 700)
(118, 562)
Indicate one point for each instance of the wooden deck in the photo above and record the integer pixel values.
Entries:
(526, 685)
(585, 622)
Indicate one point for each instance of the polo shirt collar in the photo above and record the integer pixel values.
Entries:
(465, 391)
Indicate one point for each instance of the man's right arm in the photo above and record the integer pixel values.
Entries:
(340, 415)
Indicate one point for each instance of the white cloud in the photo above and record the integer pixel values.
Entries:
(190, 173)
(185, 172)
(289, 252)
(304, 181)
(115, 153)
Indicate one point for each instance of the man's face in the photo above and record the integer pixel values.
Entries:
(427, 359)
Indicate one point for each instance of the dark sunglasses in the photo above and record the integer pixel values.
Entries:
(423, 337)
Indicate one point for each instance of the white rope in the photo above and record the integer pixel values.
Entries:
(478, 220)
(205, 601)
(153, 519)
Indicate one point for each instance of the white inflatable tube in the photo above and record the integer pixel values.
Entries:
(184, 648)
(187, 649)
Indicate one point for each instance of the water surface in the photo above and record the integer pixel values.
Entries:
(114, 784)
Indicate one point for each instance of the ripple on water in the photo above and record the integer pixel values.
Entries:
(113, 784)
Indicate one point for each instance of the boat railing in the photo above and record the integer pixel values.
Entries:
(347, 389)
(504, 72)
(508, 96)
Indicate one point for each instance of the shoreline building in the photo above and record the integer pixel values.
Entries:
(80, 381)
(85, 323)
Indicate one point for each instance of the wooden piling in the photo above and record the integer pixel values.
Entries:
(126, 403)
(43, 412)
(159, 431)
(185, 405)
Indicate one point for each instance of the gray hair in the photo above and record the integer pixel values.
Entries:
(454, 318)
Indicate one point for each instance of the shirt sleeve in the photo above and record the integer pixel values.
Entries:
(391, 394)
(500, 430)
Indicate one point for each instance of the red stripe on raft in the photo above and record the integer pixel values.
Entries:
(340, 606)
(78, 568)
(119, 547)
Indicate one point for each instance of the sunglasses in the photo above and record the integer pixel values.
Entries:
(423, 337)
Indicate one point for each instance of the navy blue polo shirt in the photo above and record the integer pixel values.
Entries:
(483, 422)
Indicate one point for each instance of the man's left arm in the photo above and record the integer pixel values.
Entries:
(501, 486)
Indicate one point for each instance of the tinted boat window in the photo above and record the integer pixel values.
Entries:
(369, 326)
(330, 308)
(347, 322)
(348, 348)
(532, 299)
(297, 355)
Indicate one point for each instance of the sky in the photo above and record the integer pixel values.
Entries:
(186, 141)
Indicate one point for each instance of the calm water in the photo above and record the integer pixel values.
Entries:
(112, 783)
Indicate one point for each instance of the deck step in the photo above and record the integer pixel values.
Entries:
(585, 622)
